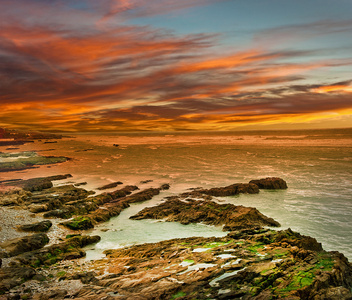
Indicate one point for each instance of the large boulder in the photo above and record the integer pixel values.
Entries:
(231, 190)
(40, 226)
(270, 183)
(24, 244)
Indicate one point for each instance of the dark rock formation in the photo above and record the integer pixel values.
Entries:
(208, 212)
(50, 142)
(110, 185)
(231, 190)
(37, 184)
(80, 183)
(14, 142)
(40, 226)
(70, 249)
(146, 181)
(271, 183)
(24, 244)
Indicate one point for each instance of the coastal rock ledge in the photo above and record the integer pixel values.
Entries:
(249, 263)
(229, 216)
(246, 264)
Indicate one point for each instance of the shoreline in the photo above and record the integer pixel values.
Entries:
(255, 247)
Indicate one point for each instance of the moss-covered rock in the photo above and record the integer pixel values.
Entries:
(79, 223)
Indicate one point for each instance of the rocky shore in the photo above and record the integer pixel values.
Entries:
(42, 245)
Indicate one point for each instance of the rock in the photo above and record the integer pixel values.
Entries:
(80, 183)
(207, 212)
(79, 223)
(58, 213)
(37, 184)
(251, 264)
(272, 183)
(165, 186)
(14, 276)
(110, 185)
(13, 197)
(38, 208)
(146, 181)
(265, 271)
(14, 143)
(40, 226)
(24, 244)
(296, 239)
(50, 142)
(231, 190)
(86, 277)
(144, 195)
(127, 190)
(67, 250)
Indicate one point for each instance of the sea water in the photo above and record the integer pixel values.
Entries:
(317, 167)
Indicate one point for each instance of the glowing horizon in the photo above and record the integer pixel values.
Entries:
(132, 65)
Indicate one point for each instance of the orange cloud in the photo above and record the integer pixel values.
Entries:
(333, 89)
(122, 77)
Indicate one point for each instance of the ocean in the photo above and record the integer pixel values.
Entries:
(317, 166)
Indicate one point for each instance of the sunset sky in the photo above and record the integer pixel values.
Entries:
(162, 65)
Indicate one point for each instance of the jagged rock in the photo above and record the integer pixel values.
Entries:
(146, 181)
(165, 186)
(110, 185)
(144, 195)
(127, 190)
(37, 184)
(24, 244)
(208, 212)
(296, 239)
(231, 190)
(272, 183)
(70, 249)
(13, 197)
(254, 265)
(40, 226)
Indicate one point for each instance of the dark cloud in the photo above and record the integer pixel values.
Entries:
(79, 65)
